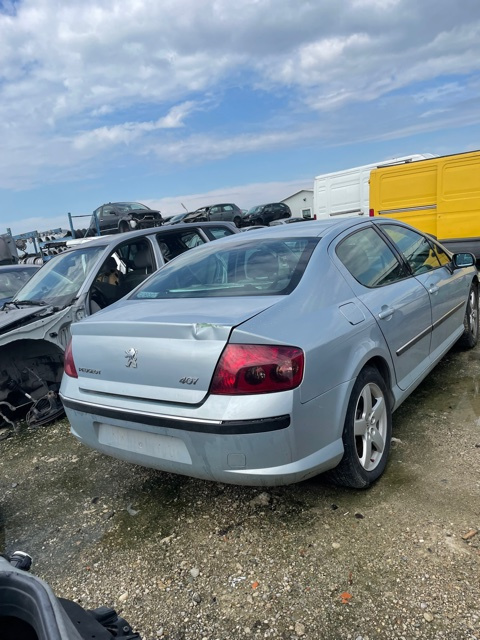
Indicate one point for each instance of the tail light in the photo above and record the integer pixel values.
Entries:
(371, 213)
(68, 362)
(253, 368)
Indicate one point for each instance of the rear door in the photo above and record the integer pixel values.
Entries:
(399, 303)
(228, 212)
(215, 213)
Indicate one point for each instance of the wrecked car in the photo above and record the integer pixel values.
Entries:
(35, 324)
(119, 217)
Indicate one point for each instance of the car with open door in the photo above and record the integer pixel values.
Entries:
(94, 273)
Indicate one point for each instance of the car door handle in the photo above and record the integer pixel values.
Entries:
(432, 288)
(387, 312)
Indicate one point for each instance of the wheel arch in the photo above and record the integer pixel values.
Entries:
(381, 365)
(124, 225)
(19, 352)
(30, 367)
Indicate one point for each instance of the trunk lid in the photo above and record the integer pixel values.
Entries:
(160, 350)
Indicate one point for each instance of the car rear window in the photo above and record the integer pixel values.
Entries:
(249, 268)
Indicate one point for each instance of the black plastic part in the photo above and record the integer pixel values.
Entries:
(85, 624)
(21, 560)
(29, 610)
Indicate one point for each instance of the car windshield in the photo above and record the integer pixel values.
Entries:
(131, 206)
(178, 217)
(255, 209)
(242, 268)
(12, 279)
(59, 280)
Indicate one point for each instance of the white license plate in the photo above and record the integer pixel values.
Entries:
(150, 444)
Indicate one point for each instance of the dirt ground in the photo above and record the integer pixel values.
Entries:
(184, 559)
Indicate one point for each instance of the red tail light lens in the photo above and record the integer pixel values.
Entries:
(68, 363)
(371, 213)
(254, 368)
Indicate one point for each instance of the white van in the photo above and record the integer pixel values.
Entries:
(346, 193)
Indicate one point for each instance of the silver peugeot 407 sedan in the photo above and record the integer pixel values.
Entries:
(266, 358)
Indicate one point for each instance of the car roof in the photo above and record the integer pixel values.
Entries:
(13, 267)
(266, 204)
(312, 228)
(119, 238)
(127, 202)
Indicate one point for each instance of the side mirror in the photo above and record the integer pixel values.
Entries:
(461, 260)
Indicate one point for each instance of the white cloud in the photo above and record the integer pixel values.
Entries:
(129, 131)
(79, 79)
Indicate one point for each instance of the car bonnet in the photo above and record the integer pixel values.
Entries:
(12, 316)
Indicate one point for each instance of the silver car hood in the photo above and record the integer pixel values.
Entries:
(13, 316)
(164, 350)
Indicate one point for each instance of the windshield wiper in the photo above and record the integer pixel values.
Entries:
(27, 303)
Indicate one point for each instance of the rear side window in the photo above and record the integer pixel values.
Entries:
(369, 259)
(243, 268)
(174, 243)
(219, 232)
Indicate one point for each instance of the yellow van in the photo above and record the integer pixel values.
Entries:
(440, 196)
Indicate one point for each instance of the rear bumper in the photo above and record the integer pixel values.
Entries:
(220, 427)
(262, 452)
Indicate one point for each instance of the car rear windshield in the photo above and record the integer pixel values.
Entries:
(249, 268)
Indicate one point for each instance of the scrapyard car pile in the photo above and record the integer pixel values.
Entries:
(272, 356)
(35, 324)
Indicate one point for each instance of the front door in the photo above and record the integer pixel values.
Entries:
(108, 220)
(431, 266)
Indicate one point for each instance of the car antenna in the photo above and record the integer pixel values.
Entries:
(184, 207)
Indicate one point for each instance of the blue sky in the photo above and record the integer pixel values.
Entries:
(194, 101)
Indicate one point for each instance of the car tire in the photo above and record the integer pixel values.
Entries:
(469, 338)
(367, 432)
(123, 227)
(237, 221)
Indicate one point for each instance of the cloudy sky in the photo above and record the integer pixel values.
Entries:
(195, 101)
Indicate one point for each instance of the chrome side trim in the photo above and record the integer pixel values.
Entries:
(447, 315)
(413, 341)
(428, 330)
(346, 212)
(427, 207)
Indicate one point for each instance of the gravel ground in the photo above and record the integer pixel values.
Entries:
(184, 559)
